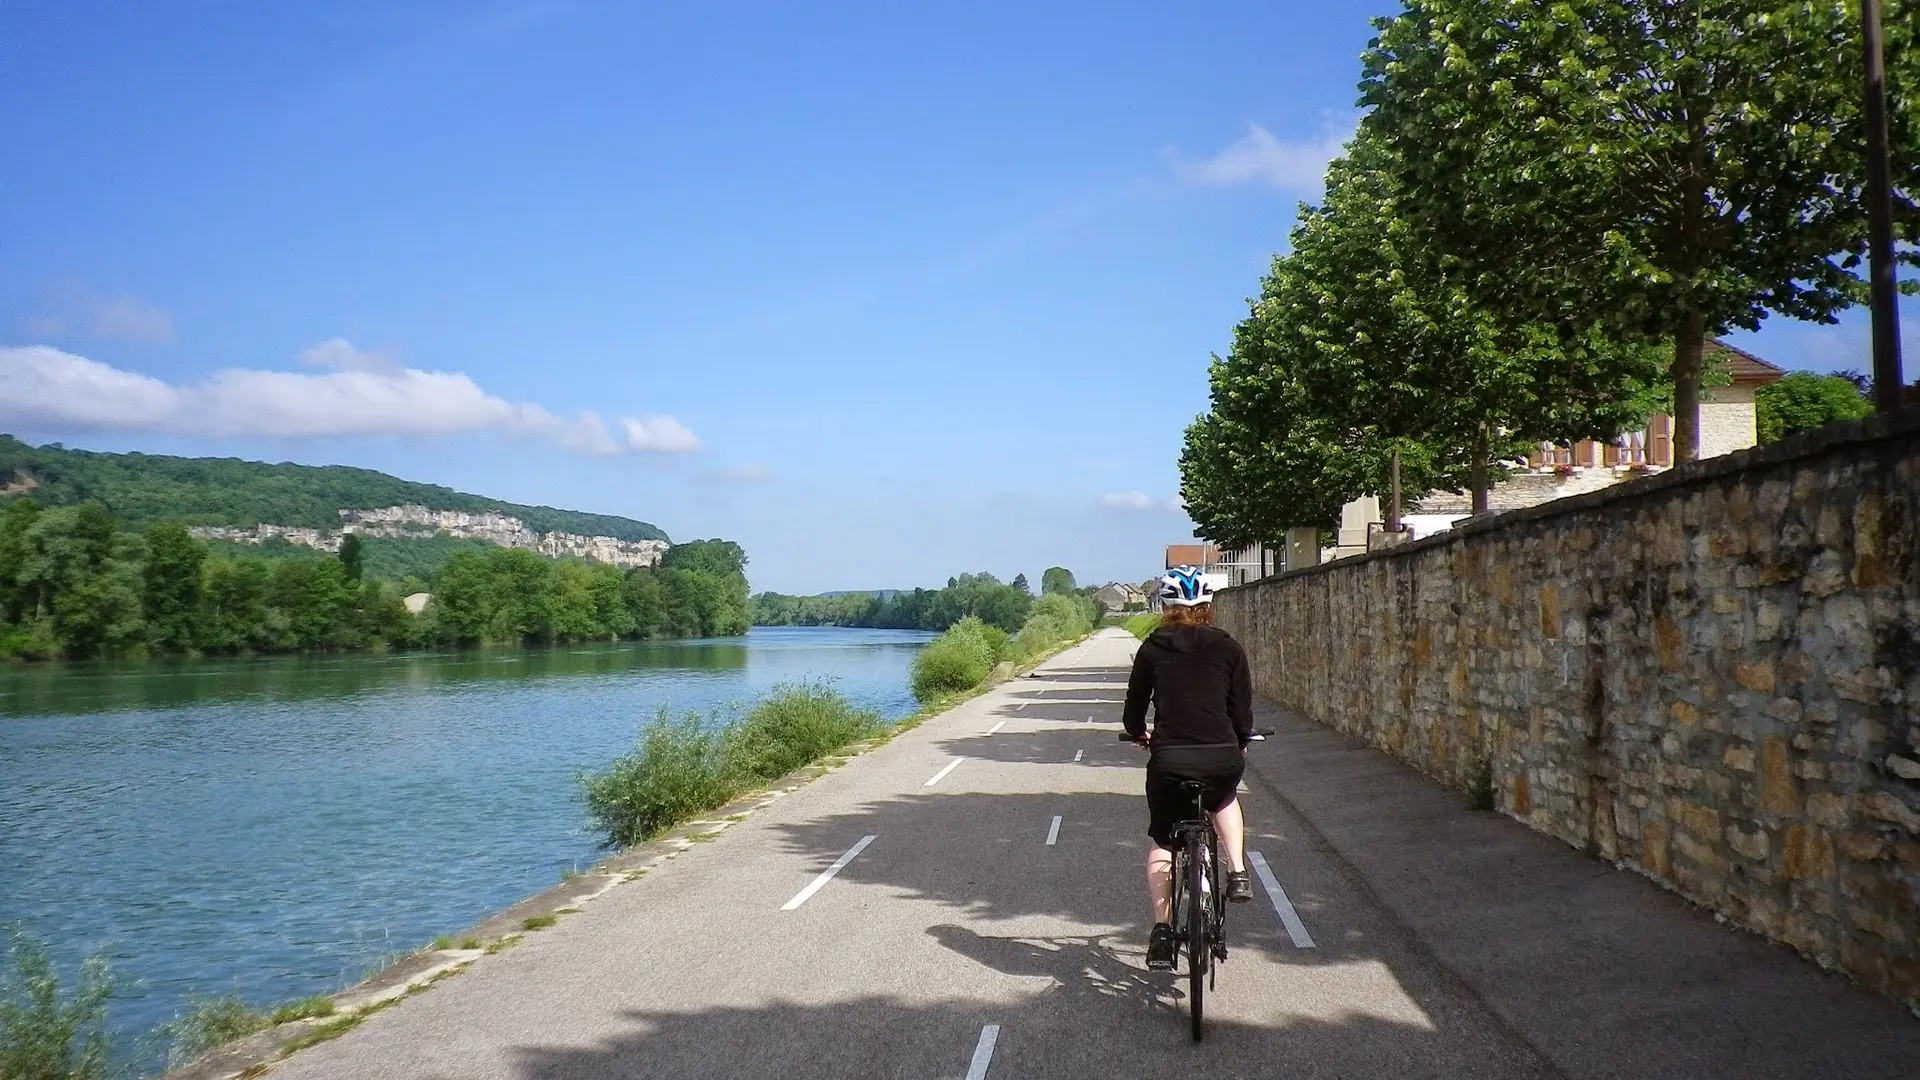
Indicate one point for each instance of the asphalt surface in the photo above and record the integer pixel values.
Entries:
(1444, 943)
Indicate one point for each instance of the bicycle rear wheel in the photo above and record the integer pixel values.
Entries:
(1199, 950)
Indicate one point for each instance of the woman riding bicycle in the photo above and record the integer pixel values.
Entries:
(1197, 678)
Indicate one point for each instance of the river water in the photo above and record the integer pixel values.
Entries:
(277, 827)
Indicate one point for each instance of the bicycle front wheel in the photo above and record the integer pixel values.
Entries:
(1199, 950)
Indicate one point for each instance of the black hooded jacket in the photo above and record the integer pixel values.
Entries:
(1201, 688)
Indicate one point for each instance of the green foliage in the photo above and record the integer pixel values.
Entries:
(1056, 618)
(980, 595)
(1662, 171)
(307, 1008)
(140, 489)
(1020, 582)
(1804, 401)
(46, 1034)
(171, 579)
(1057, 579)
(352, 555)
(687, 766)
(956, 661)
(1363, 344)
(72, 585)
(1142, 625)
(208, 1023)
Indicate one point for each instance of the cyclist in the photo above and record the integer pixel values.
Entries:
(1197, 678)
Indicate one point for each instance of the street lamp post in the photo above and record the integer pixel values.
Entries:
(1888, 384)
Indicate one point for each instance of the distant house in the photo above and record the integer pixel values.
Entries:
(1120, 596)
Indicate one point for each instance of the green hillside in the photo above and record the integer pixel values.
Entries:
(139, 489)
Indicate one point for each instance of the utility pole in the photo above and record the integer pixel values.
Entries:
(1888, 383)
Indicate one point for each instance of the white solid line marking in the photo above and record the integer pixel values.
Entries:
(983, 1052)
(1053, 834)
(996, 727)
(1282, 907)
(839, 864)
(1242, 788)
(1077, 753)
(942, 774)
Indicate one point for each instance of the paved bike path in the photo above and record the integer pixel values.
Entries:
(958, 915)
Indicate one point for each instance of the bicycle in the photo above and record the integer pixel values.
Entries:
(1199, 896)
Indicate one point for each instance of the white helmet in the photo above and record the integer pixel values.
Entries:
(1185, 586)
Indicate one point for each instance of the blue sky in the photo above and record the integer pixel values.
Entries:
(886, 292)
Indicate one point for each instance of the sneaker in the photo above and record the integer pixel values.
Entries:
(1160, 948)
(1239, 888)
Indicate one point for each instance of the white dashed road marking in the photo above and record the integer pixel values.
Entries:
(983, 1052)
(942, 774)
(1282, 907)
(1077, 753)
(1053, 833)
(996, 727)
(839, 864)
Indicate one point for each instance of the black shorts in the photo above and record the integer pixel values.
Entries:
(1168, 803)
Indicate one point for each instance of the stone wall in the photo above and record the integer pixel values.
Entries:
(1711, 675)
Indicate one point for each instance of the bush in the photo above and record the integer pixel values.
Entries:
(45, 1035)
(796, 724)
(686, 767)
(675, 772)
(955, 662)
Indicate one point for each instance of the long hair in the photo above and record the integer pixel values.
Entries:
(1197, 615)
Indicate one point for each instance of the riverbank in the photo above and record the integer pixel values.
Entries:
(420, 971)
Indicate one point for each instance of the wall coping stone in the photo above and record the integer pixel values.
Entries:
(1880, 427)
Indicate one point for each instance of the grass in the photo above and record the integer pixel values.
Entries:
(1143, 624)
(538, 922)
(684, 767)
(1480, 786)
(47, 1033)
(210, 1022)
(304, 1009)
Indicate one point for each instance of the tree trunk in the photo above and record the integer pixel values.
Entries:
(1688, 350)
(1478, 476)
(1393, 500)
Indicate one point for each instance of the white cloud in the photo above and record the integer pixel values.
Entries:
(1128, 500)
(45, 389)
(1260, 158)
(128, 318)
(749, 473)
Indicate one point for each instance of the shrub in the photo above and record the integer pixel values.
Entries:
(956, 661)
(45, 1035)
(686, 767)
(797, 723)
(676, 771)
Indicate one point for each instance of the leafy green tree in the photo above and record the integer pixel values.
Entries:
(19, 518)
(717, 557)
(646, 601)
(234, 615)
(352, 558)
(1804, 401)
(100, 615)
(1020, 582)
(574, 610)
(1056, 579)
(170, 587)
(1665, 171)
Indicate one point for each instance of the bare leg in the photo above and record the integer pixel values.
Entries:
(1160, 882)
(1232, 830)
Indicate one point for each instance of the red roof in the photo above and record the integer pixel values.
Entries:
(1189, 555)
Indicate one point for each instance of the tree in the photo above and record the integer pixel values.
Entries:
(170, 587)
(1804, 401)
(1667, 171)
(351, 557)
(1056, 579)
(1020, 582)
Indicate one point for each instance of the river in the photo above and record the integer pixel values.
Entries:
(277, 827)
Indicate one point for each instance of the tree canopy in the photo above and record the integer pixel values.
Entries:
(1804, 401)
(1663, 171)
